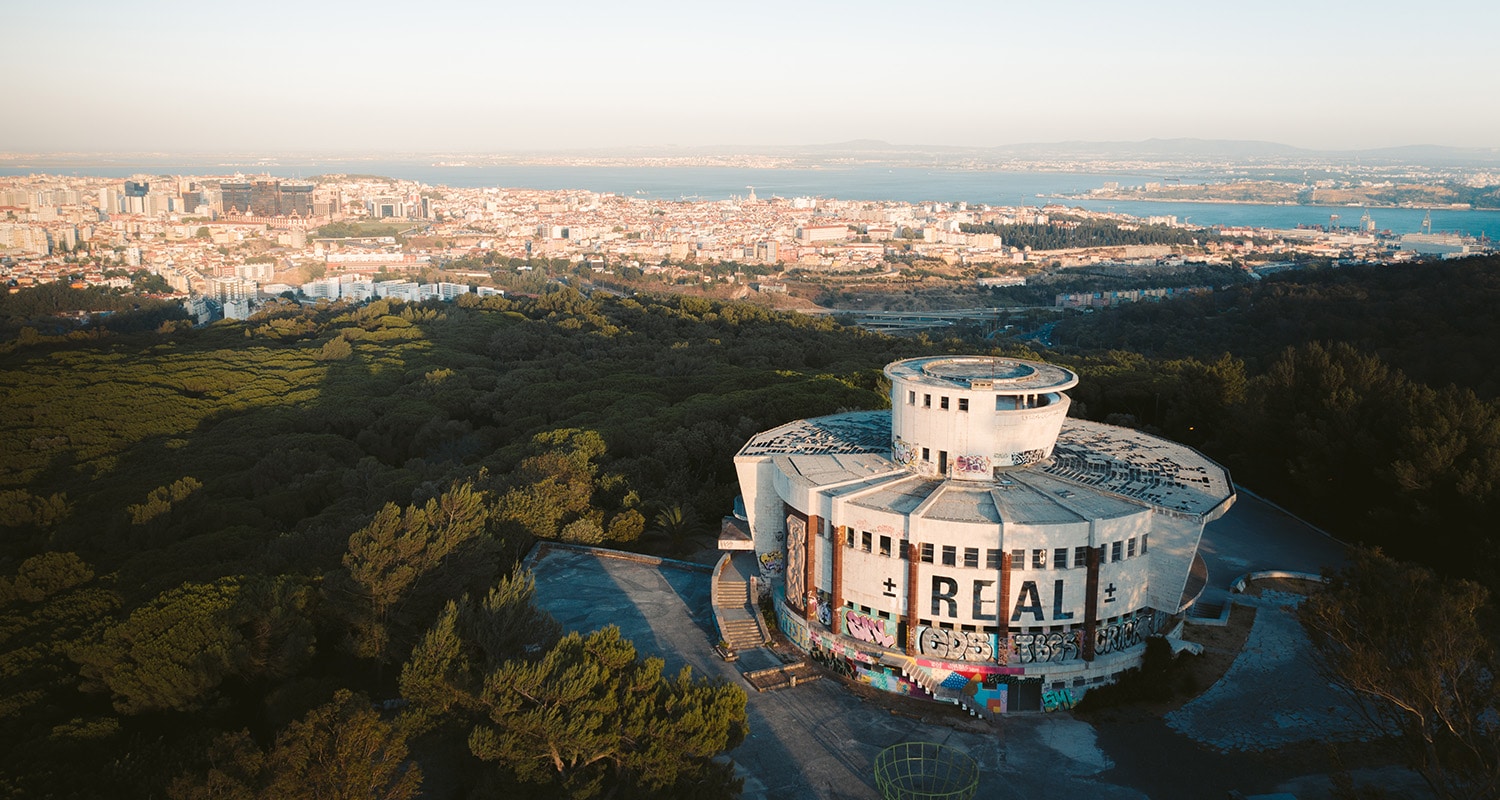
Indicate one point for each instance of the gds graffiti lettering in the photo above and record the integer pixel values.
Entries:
(956, 645)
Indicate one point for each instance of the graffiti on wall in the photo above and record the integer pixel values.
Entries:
(903, 453)
(1054, 699)
(796, 553)
(972, 466)
(823, 608)
(957, 645)
(874, 630)
(1025, 457)
(794, 628)
(1126, 634)
(992, 697)
(1036, 648)
(887, 680)
(772, 562)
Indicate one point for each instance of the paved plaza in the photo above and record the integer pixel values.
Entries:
(819, 740)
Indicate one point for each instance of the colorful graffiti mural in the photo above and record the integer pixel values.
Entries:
(887, 680)
(988, 686)
(1056, 699)
(772, 562)
(874, 630)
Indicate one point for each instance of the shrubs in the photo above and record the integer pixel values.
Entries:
(1161, 677)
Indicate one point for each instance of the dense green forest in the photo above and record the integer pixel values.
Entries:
(1043, 289)
(210, 534)
(1064, 232)
(232, 552)
(1365, 398)
(45, 308)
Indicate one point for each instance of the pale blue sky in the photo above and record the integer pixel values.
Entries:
(157, 75)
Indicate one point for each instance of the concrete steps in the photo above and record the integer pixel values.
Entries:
(731, 593)
(924, 678)
(742, 634)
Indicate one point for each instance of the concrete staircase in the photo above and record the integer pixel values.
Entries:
(924, 678)
(730, 593)
(742, 633)
(734, 603)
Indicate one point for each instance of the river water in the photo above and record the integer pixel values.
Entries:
(910, 184)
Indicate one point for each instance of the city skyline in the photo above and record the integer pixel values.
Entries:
(168, 76)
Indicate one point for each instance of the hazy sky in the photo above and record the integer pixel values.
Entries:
(436, 75)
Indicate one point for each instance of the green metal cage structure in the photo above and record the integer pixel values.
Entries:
(925, 771)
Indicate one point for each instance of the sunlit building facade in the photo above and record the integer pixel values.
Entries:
(973, 544)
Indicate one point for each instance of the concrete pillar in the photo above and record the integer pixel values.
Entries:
(836, 591)
(911, 598)
(810, 561)
(1004, 604)
(1091, 603)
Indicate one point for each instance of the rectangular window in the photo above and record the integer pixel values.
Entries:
(1144, 536)
(971, 557)
(864, 540)
(904, 545)
(1060, 558)
(943, 403)
(950, 555)
(927, 553)
(848, 537)
(927, 401)
(926, 454)
(911, 398)
(1038, 559)
(1115, 550)
(1018, 559)
(1130, 548)
(963, 404)
(885, 546)
(1080, 556)
(992, 559)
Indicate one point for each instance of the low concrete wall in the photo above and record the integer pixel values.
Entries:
(541, 547)
(1240, 583)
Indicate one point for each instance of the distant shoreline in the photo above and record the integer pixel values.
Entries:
(1180, 201)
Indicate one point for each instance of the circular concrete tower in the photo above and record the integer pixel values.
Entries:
(966, 417)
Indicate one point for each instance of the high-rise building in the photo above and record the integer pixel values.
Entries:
(264, 198)
(134, 189)
(235, 197)
(294, 199)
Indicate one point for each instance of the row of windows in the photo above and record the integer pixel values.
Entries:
(1003, 402)
(1108, 553)
(963, 402)
(1040, 557)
